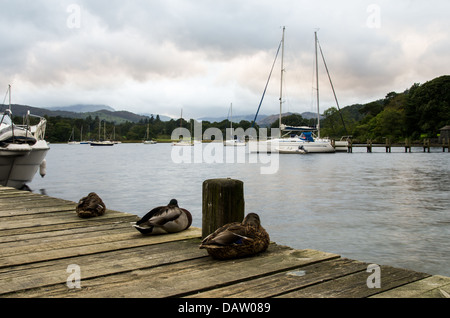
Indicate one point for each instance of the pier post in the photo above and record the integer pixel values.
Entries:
(223, 202)
(407, 145)
(426, 145)
(369, 145)
(388, 145)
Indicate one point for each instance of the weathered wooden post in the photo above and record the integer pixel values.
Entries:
(388, 145)
(407, 145)
(223, 202)
(369, 145)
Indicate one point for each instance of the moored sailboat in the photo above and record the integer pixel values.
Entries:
(295, 139)
(232, 141)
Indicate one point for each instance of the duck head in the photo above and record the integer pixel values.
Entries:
(252, 219)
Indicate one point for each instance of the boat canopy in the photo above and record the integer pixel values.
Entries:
(307, 136)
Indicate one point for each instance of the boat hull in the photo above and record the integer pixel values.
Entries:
(19, 168)
(102, 143)
(288, 145)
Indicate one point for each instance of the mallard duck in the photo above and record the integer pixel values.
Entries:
(90, 206)
(236, 239)
(165, 219)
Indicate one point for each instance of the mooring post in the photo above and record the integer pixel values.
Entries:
(369, 145)
(223, 203)
(407, 145)
(388, 145)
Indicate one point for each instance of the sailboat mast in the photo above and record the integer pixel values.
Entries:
(317, 87)
(281, 82)
(231, 120)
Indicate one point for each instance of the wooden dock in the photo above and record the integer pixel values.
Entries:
(48, 251)
(408, 145)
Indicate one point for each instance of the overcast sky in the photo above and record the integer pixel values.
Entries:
(161, 56)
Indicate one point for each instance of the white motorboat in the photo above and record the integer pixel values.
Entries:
(343, 144)
(22, 149)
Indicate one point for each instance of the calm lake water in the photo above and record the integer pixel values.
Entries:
(389, 209)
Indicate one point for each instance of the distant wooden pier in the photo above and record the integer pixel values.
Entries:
(48, 251)
(426, 145)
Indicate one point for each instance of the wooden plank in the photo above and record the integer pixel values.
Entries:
(6, 196)
(91, 246)
(184, 278)
(50, 277)
(287, 281)
(61, 234)
(355, 285)
(104, 219)
(52, 218)
(432, 287)
(108, 233)
(27, 199)
(36, 210)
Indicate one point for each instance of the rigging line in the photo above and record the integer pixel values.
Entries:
(270, 74)
(332, 87)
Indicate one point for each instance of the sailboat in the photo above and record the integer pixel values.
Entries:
(147, 141)
(299, 140)
(183, 142)
(83, 142)
(72, 140)
(103, 142)
(232, 141)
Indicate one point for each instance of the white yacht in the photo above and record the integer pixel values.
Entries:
(295, 139)
(22, 149)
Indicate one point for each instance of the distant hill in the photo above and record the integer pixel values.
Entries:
(262, 120)
(81, 108)
(117, 117)
(236, 119)
(161, 117)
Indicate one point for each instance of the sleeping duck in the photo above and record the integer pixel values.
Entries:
(236, 239)
(90, 206)
(165, 219)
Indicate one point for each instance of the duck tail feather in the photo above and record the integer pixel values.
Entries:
(144, 230)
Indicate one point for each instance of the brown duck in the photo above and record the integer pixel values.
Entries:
(165, 219)
(90, 206)
(236, 239)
